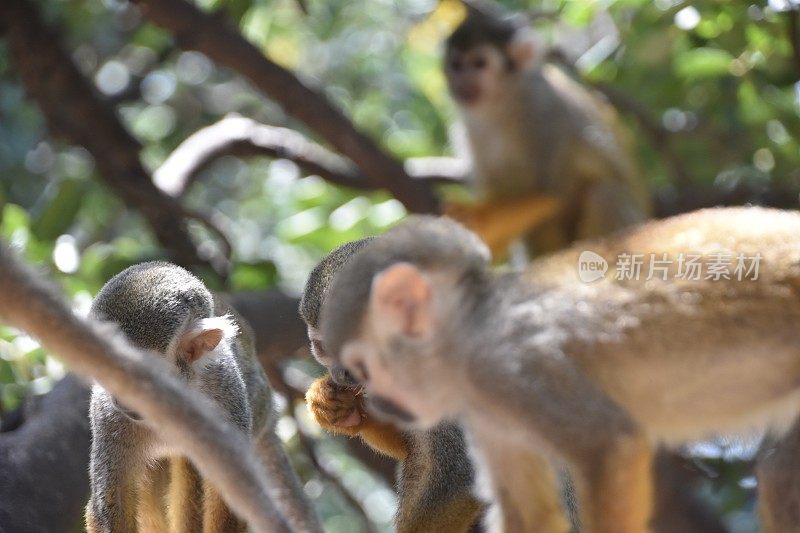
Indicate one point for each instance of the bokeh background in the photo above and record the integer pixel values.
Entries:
(708, 90)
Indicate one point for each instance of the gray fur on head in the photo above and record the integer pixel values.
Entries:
(319, 281)
(431, 243)
(150, 301)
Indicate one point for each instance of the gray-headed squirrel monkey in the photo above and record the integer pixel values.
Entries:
(138, 482)
(670, 332)
(549, 158)
(437, 476)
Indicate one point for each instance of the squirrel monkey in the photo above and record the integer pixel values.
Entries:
(437, 476)
(137, 480)
(549, 157)
(540, 364)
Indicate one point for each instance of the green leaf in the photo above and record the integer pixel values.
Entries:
(703, 63)
(248, 276)
(63, 204)
(14, 218)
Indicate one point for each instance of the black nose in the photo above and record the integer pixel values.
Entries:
(342, 376)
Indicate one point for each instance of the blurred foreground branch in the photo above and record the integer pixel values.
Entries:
(44, 447)
(245, 137)
(212, 35)
(222, 454)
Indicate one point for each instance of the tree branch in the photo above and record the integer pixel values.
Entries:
(672, 202)
(307, 444)
(74, 111)
(46, 444)
(183, 416)
(245, 137)
(214, 37)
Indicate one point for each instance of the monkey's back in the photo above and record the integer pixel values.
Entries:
(728, 350)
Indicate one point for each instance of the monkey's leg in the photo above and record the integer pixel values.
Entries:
(150, 495)
(341, 410)
(217, 517)
(616, 485)
(436, 484)
(778, 473)
(610, 458)
(184, 497)
(500, 222)
(523, 487)
(112, 508)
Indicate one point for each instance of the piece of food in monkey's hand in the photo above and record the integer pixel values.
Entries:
(335, 407)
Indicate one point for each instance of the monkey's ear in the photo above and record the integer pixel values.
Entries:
(401, 297)
(205, 336)
(525, 49)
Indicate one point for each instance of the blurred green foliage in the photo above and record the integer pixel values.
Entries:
(719, 75)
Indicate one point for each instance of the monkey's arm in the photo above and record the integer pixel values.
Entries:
(526, 489)
(112, 473)
(341, 410)
(499, 222)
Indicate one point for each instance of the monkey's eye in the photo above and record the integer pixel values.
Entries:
(456, 64)
(479, 63)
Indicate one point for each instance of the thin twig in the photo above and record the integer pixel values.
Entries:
(308, 447)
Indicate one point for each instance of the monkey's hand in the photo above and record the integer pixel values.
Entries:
(499, 222)
(336, 408)
(341, 410)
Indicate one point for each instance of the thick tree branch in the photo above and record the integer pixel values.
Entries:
(213, 36)
(273, 315)
(44, 447)
(245, 137)
(183, 416)
(74, 111)
(672, 202)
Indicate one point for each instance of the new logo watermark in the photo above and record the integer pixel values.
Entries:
(716, 266)
(591, 266)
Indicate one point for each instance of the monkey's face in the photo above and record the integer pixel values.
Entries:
(340, 375)
(396, 352)
(475, 75)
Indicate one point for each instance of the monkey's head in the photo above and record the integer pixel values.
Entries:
(392, 308)
(484, 52)
(163, 308)
(314, 294)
